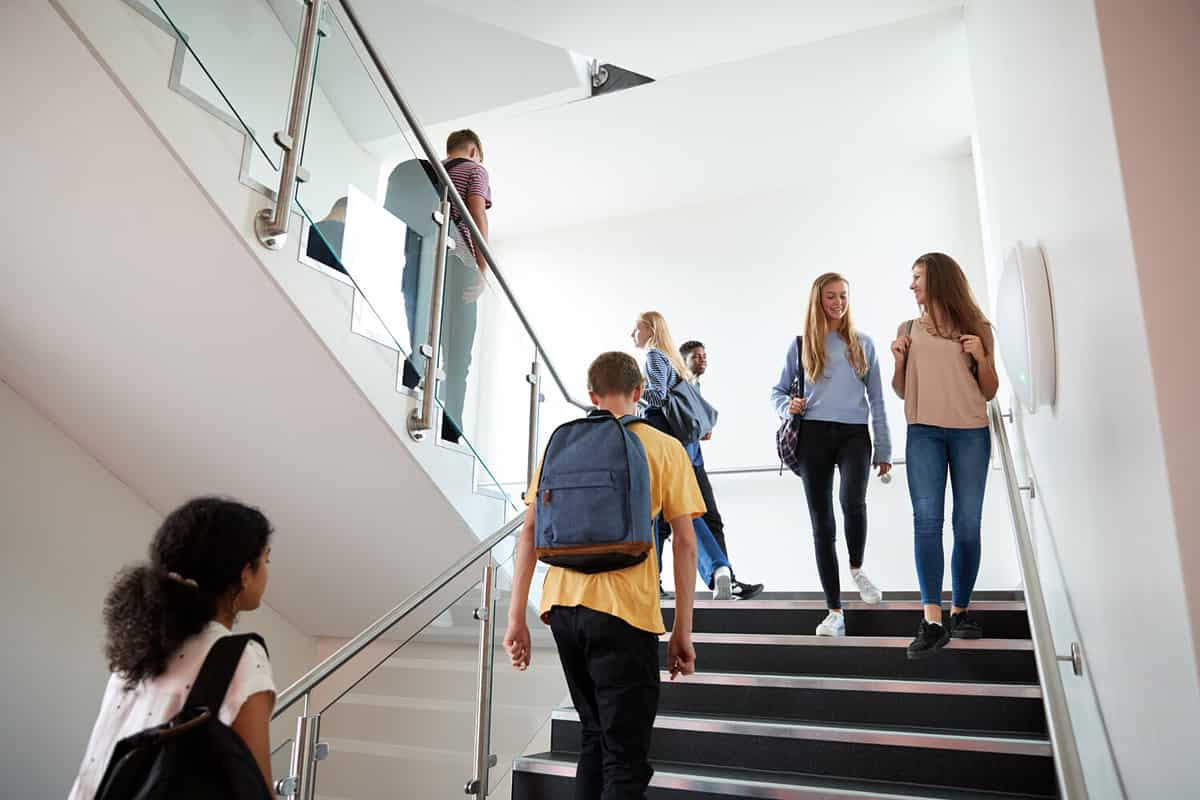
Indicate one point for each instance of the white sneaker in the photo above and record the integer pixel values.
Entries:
(833, 625)
(722, 584)
(868, 591)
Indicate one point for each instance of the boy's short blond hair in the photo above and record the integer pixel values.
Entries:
(614, 373)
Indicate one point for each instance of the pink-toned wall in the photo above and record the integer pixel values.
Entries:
(1152, 60)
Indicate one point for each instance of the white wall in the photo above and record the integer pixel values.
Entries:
(69, 525)
(1052, 174)
(736, 275)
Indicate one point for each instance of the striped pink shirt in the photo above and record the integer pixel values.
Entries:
(469, 179)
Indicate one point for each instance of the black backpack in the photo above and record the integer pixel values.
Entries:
(192, 756)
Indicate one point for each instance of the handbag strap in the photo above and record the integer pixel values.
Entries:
(800, 363)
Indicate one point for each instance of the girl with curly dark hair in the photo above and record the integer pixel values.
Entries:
(208, 562)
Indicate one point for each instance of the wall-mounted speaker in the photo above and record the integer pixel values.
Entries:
(1025, 326)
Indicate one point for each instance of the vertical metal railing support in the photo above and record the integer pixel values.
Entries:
(301, 782)
(271, 224)
(486, 614)
(535, 410)
(422, 420)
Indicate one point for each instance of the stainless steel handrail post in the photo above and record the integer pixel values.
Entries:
(271, 224)
(299, 781)
(1067, 766)
(535, 411)
(435, 161)
(422, 420)
(486, 613)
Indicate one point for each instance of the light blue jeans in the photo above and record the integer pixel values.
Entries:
(709, 556)
(933, 452)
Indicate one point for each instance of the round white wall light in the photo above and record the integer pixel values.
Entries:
(1025, 326)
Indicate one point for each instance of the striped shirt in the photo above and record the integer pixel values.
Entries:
(660, 378)
(469, 178)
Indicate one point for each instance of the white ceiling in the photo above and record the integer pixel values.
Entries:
(670, 37)
(447, 65)
(805, 115)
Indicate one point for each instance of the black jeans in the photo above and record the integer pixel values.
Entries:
(612, 671)
(847, 447)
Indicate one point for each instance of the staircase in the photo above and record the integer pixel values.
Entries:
(775, 712)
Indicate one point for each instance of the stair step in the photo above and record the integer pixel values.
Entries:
(979, 660)
(948, 705)
(550, 776)
(1001, 619)
(1015, 764)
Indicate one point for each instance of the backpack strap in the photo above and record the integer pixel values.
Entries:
(220, 664)
(908, 330)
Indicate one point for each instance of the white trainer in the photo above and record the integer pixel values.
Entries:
(833, 625)
(868, 591)
(722, 584)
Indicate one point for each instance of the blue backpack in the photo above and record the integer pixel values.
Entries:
(592, 511)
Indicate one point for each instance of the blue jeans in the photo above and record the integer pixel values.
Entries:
(709, 556)
(965, 454)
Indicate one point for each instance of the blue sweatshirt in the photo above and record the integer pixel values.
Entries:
(841, 396)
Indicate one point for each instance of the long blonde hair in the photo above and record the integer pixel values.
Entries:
(660, 339)
(816, 329)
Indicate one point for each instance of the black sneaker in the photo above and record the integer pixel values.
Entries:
(663, 594)
(931, 637)
(746, 591)
(964, 626)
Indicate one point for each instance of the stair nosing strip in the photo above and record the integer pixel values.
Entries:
(977, 743)
(851, 605)
(716, 784)
(837, 683)
(800, 640)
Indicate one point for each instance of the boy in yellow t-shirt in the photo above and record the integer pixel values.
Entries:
(606, 625)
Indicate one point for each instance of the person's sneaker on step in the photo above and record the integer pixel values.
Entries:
(931, 637)
(834, 624)
(722, 584)
(745, 591)
(868, 591)
(663, 594)
(964, 625)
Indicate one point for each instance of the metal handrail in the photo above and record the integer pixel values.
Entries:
(772, 468)
(315, 676)
(1067, 766)
(455, 198)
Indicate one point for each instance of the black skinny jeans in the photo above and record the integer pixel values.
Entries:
(847, 447)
